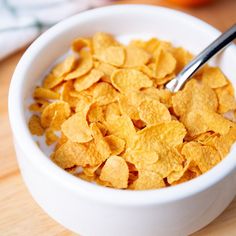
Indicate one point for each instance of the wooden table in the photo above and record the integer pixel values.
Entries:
(19, 214)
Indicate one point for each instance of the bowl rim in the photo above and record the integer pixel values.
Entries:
(38, 159)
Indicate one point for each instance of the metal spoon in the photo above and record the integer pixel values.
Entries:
(216, 46)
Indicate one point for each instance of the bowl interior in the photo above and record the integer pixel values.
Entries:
(128, 22)
(166, 25)
(125, 22)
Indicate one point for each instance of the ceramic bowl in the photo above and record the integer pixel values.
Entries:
(92, 210)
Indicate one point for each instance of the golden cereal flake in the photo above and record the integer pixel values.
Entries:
(113, 55)
(50, 136)
(81, 43)
(90, 171)
(116, 172)
(226, 99)
(165, 64)
(122, 127)
(103, 93)
(194, 95)
(55, 114)
(141, 156)
(85, 64)
(148, 180)
(100, 142)
(88, 80)
(101, 41)
(83, 105)
(214, 77)
(116, 144)
(45, 93)
(66, 94)
(170, 132)
(205, 157)
(52, 81)
(111, 109)
(182, 57)
(153, 112)
(200, 121)
(96, 113)
(35, 126)
(39, 105)
(127, 108)
(76, 129)
(178, 175)
(168, 159)
(107, 70)
(136, 57)
(76, 154)
(130, 79)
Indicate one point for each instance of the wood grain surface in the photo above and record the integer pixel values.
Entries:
(19, 214)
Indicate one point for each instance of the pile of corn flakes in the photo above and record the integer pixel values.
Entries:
(120, 128)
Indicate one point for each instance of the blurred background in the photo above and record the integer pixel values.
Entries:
(21, 21)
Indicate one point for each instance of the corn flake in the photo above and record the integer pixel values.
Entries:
(66, 94)
(83, 105)
(55, 114)
(142, 157)
(205, 157)
(76, 129)
(127, 108)
(50, 136)
(96, 113)
(201, 121)
(148, 180)
(85, 64)
(39, 105)
(116, 172)
(111, 109)
(90, 170)
(194, 95)
(102, 146)
(113, 55)
(81, 43)
(103, 93)
(61, 140)
(35, 126)
(182, 58)
(136, 57)
(76, 154)
(213, 77)
(122, 127)
(222, 143)
(165, 64)
(130, 79)
(44, 93)
(101, 41)
(153, 112)
(107, 70)
(183, 173)
(171, 132)
(226, 99)
(116, 144)
(88, 80)
(168, 159)
(52, 81)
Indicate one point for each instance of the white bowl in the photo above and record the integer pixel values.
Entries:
(94, 210)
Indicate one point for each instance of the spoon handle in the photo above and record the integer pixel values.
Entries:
(216, 46)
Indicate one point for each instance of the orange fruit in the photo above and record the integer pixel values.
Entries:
(191, 3)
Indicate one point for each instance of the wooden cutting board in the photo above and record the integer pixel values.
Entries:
(19, 214)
